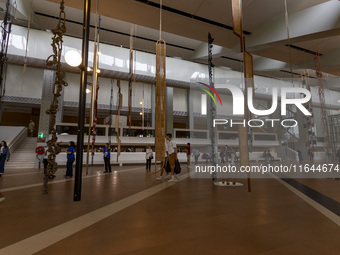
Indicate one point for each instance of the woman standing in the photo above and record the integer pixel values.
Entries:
(70, 160)
(5, 154)
(148, 157)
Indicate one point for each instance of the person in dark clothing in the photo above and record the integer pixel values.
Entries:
(300, 156)
(188, 154)
(70, 160)
(148, 157)
(5, 155)
(107, 157)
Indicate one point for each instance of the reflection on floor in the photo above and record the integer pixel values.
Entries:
(120, 214)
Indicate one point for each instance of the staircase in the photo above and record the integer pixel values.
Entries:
(24, 156)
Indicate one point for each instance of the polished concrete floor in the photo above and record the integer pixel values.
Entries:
(120, 214)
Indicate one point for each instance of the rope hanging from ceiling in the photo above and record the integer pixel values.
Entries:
(54, 61)
(95, 120)
(94, 91)
(160, 102)
(249, 81)
(119, 107)
(26, 48)
(321, 93)
(6, 29)
(131, 78)
(110, 112)
(288, 37)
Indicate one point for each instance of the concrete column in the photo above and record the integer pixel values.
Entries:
(169, 110)
(190, 113)
(46, 100)
(60, 112)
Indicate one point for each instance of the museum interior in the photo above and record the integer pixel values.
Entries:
(169, 127)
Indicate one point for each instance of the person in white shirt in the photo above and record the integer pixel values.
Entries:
(148, 157)
(172, 156)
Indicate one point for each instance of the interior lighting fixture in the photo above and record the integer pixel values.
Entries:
(73, 58)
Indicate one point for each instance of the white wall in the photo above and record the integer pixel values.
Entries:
(180, 99)
(29, 85)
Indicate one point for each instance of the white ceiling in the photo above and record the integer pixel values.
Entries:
(186, 35)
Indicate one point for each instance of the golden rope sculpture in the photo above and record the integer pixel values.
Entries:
(131, 79)
(249, 82)
(160, 107)
(120, 99)
(54, 61)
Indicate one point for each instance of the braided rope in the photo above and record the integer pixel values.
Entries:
(54, 61)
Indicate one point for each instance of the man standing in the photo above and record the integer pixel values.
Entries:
(107, 156)
(172, 156)
(188, 154)
(31, 128)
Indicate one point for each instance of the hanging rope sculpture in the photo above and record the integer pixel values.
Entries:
(131, 77)
(95, 119)
(110, 112)
(160, 101)
(6, 29)
(321, 92)
(249, 82)
(160, 107)
(119, 103)
(26, 48)
(54, 61)
(212, 114)
(309, 126)
(94, 84)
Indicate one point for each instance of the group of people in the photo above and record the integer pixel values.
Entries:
(170, 159)
(267, 156)
(70, 156)
(227, 153)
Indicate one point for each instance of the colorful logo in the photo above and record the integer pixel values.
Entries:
(208, 92)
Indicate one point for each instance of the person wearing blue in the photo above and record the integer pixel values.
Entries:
(5, 155)
(70, 160)
(106, 152)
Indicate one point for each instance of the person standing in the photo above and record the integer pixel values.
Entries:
(188, 154)
(196, 155)
(31, 126)
(70, 160)
(222, 155)
(148, 157)
(5, 155)
(232, 156)
(172, 157)
(107, 156)
(300, 156)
